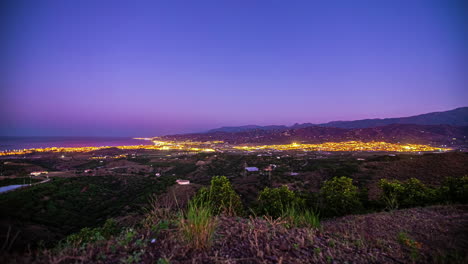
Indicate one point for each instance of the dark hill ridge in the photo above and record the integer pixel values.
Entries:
(246, 128)
(403, 133)
(455, 117)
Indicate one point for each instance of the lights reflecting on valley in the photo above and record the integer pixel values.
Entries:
(346, 146)
(213, 146)
(191, 146)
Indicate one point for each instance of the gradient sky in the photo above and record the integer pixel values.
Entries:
(146, 68)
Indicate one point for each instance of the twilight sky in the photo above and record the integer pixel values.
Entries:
(146, 68)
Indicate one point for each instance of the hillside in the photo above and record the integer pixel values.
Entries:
(235, 129)
(387, 237)
(455, 117)
(121, 213)
(403, 133)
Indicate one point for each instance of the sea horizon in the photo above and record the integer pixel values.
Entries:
(26, 142)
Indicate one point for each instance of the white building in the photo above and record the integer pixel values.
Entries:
(38, 173)
(183, 182)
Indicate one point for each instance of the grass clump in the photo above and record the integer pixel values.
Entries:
(198, 225)
(301, 218)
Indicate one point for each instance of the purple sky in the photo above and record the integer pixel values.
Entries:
(145, 68)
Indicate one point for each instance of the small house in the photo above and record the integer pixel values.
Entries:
(251, 169)
(38, 173)
(183, 182)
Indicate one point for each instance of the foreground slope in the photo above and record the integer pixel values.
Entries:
(437, 234)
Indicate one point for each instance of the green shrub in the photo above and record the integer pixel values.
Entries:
(198, 224)
(417, 193)
(340, 197)
(410, 193)
(92, 235)
(275, 201)
(454, 190)
(221, 197)
(392, 191)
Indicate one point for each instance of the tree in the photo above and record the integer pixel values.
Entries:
(455, 190)
(340, 196)
(405, 194)
(221, 197)
(275, 201)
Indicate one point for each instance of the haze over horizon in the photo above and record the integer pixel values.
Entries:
(116, 68)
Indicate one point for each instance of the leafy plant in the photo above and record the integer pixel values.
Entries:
(405, 194)
(221, 197)
(135, 257)
(340, 196)
(92, 235)
(162, 261)
(391, 193)
(417, 193)
(127, 237)
(276, 201)
(455, 190)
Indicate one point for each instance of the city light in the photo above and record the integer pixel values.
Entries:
(212, 146)
(346, 146)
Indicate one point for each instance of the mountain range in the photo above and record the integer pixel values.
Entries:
(455, 117)
(448, 128)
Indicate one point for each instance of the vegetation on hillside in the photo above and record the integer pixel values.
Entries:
(248, 218)
(65, 205)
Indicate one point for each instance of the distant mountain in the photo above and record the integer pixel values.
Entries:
(455, 117)
(438, 128)
(396, 133)
(246, 128)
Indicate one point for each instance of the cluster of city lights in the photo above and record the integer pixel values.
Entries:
(212, 146)
(109, 157)
(346, 146)
(191, 146)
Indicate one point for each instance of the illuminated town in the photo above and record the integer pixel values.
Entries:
(213, 146)
(347, 146)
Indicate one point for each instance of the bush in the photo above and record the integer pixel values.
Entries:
(221, 197)
(417, 193)
(275, 201)
(454, 190)
(91, 235)
(198, 224)
(392, 191)
(340, 197)
(411, 193)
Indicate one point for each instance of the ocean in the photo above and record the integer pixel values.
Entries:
(10, 143)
